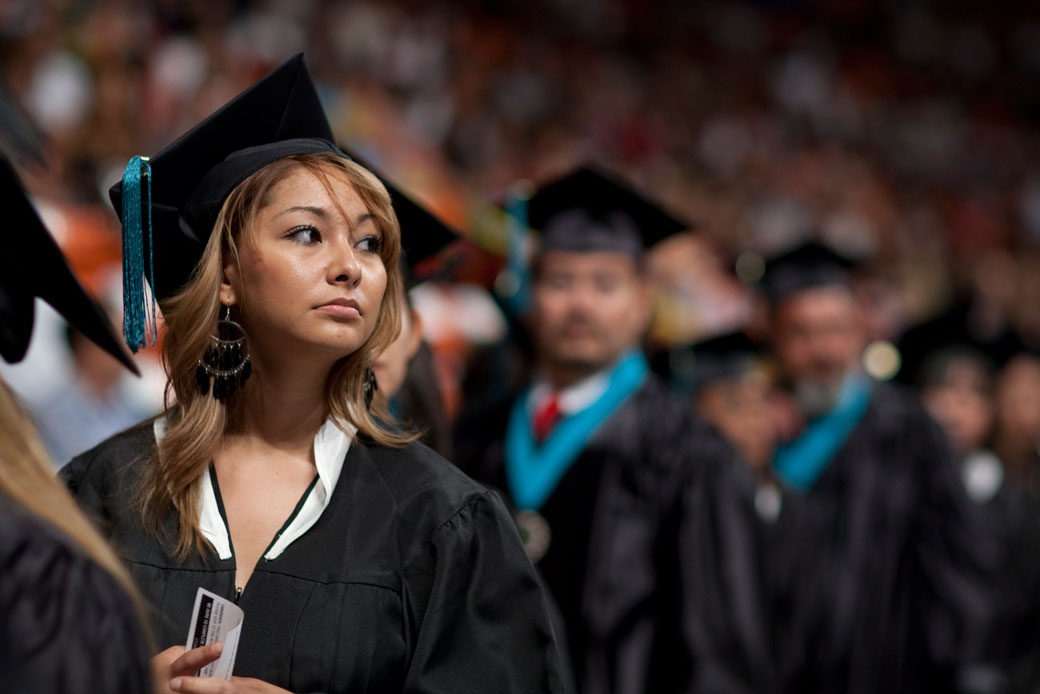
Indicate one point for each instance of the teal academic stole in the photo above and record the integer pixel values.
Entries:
(534, 470)
(800, 462)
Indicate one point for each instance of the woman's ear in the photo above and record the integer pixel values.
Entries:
(229, 280)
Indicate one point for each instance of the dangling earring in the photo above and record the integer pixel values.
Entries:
(369, 387)
(226, 360)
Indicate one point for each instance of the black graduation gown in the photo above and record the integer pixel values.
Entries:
(65, 623)
(1012, 522)
(881, 577)
(412, 580)
(653, 557)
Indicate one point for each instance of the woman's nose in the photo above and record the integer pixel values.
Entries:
(344, 267)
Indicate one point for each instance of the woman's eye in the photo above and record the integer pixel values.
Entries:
(305, 234)
(372, 244)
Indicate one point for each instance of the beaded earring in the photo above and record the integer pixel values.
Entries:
(226, 360)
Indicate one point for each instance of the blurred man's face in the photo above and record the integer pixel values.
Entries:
(817, 337)
(588, 309)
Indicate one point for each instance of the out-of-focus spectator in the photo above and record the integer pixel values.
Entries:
(957, 389)
(95, 403)
(1017, 434)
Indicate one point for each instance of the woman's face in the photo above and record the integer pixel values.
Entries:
(310, 278)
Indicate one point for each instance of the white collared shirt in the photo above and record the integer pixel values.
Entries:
(331, 444)
(573, 398)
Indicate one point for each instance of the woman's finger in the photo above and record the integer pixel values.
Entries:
(161, 661)
(196, 658)
(200, 685)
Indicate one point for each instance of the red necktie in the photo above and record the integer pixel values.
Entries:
(546, 417)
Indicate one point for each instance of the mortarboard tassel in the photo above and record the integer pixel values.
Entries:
(513, 284)
(137, 317)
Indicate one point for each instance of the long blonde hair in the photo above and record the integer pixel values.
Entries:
(27, 478)
(196, 423)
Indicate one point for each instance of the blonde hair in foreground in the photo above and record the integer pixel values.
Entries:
(197, 422)
(27, 478)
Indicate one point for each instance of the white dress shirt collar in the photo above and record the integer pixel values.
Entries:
(331, 444)
(575, 397)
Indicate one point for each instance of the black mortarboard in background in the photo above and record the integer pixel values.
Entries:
(31, 265)
(278, 116)
(954, 329)
(807, 266)
(729, 356)
(588, 210)
(424, 235)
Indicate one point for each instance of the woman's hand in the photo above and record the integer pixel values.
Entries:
(176, 662)
(175, 669)
(212, 685)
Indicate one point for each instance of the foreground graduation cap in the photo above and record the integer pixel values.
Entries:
(589, 210)
(808, 265)
(31, 265)
(278, 116)
(423, 234)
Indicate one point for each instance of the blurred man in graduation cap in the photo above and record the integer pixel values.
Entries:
(885, 586)
(67, 615)
(628, 505)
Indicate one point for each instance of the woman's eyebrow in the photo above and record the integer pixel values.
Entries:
(316, 211)
(323, 214)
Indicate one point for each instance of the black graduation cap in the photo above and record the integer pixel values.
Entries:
(722, 357)
(31, 265)
(423, 234)
(588, 210)
(953, 332)
(278, 116)
(806, 266)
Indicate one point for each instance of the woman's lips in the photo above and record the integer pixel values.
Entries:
(340, 310)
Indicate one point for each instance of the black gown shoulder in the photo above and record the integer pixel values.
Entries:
(412, 579)
(65, 623)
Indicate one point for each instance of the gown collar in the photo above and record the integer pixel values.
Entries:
(331, 444)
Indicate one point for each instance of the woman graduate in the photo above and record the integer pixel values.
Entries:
(68, 618)
(362, 562)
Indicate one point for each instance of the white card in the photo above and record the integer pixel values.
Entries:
(215, 619)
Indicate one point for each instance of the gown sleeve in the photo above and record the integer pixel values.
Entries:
(66, 624)
(482, 624)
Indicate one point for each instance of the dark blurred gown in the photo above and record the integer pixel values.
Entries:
(880, 574)
(1012, 521)
(65, 623)
(412, 579)
(653, 559)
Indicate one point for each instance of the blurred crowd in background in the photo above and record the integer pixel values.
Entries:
(903, 134)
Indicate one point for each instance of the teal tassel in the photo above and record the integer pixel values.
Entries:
(516, 289)
(138, 319)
